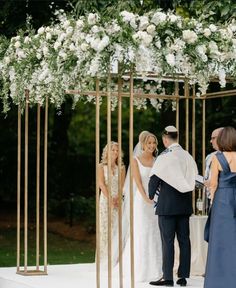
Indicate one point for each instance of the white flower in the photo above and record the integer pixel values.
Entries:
(92, 18)
(48, 36)
(95, 29)
(158, 17)
(62, 54)
(7, 60)
(17, 44)
(69, 30)
(189, 36)
(207, 32)
(127, 16)
(170, 59)
(79, 23)
(72, 47)
(45, 50)
(222, 76)
(213, 28)
(41, 30)
(27, 39)
(173, 18)
(144, 22)
(38, 55)
(66, 24)
(151, 29)
(57, 45)
(84, 47)
(158, 44)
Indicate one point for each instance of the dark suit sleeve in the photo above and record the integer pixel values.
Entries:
(153, 186)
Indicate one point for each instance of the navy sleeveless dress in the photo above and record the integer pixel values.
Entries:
(221, 257)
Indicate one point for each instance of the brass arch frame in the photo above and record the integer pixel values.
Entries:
(188, 98)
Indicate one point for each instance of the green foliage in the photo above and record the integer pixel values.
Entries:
(209, 10)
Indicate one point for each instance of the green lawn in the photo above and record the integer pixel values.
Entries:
(60, 250)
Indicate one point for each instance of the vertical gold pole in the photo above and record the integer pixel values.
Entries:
(26, 181)
(18, 186)
(119, 178)
(97, 185)
(186, 94)
(203, 135)
(45, 182)
(109, 180)
(131, 124)
(194, 123)
(177, 105)
(194, 138)
(38, 187)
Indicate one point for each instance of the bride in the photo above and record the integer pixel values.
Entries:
(147, 241)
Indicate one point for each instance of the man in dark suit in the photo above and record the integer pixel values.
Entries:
(173, 176)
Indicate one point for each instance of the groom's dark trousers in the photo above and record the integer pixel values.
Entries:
(169, 227)
(173, 209)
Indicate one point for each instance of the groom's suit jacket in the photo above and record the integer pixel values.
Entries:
(170, 201)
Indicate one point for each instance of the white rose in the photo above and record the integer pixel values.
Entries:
(41, 30)
(173, 18)
(92, 18)
(17, 44)
(147, 39)
(170, 59)
(189, 36)
(95, 29)
(207, 32)
(213, 28)
(158, 17)
(151, 29)
(48, 29)
(143, 22)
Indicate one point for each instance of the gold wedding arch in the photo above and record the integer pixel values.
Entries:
(188, 99)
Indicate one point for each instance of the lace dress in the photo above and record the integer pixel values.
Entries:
(104, 220)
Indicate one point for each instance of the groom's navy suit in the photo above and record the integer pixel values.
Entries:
(174, 209)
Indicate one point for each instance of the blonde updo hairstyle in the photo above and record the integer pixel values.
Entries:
(104, 159)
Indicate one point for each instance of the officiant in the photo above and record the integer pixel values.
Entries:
(173, 179)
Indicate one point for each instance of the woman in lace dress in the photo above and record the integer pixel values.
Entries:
(147, 241)
(103, 184)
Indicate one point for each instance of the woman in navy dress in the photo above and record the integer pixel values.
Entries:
(221, 258)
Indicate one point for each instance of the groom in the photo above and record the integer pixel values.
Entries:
(173, 176)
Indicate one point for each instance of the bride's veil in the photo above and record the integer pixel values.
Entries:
(126, 198)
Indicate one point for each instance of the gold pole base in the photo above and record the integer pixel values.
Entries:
(32, 273)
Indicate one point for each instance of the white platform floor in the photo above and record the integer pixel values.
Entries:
(71, 276)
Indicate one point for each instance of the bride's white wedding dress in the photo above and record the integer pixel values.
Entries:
(147, 240)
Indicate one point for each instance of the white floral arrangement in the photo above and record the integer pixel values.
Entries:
(71, 52)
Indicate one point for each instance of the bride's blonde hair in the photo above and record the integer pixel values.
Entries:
(144, 141)
(104, 159)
